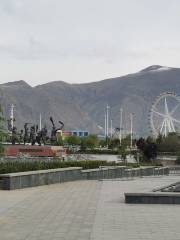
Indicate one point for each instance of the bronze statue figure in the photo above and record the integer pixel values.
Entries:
(26, 133)
(41, 136)
(32, 135)
(54, 130)
(14, 136)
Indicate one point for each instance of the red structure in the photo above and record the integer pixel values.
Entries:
(34, 151)
(67, 133)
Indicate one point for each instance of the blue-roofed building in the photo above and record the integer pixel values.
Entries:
(80, 133)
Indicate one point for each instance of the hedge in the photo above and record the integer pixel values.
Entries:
(11, 166)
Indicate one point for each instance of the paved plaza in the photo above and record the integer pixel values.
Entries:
(93, 210)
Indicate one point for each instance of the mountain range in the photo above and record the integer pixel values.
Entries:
(82, 106)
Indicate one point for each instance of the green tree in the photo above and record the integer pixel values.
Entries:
(123, 152)
(114, 143)
(59, 140)
(83, 144)
(148, 148)
(171, 143)
(141, 144)
(73, 140)
(102, 143)
(2, 131)
(159, 139)
(92, 141)
(126, 141)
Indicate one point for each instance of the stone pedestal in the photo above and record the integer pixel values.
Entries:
(34, 151)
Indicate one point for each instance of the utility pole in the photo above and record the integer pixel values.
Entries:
(107, 123)
(131, 128)
(111, 129)
(120, 126)
(107, 120)
(40, 122)
(105, 128)
(12, 115)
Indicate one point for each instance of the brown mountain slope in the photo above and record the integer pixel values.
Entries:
(82, 105)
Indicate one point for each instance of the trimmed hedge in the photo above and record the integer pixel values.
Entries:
(99, 151)
(23, 166)
(12, 166)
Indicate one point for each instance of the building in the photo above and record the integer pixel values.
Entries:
(66, 133)
(80, 133)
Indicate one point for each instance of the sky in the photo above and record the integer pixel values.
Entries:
(79, 41)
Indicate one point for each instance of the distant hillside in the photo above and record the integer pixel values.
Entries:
(81, 106)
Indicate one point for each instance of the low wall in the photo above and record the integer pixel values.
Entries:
(166, 160)
(100, 157)
(37, 178)
(120, 172)
(146, 171)
(103, 173)
(152, 198)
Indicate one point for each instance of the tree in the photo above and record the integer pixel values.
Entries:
(141, 144)
(90, 141)
(151, 151)
(148, 148)
(73, 140)
(102, 143)
(171, 143)
(159, 139)
(2, 131)
(126, 141)
(123, 153)
(114, 143)
(83, 144)
(59, 140)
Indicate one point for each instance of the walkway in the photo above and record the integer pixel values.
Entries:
(93, 210)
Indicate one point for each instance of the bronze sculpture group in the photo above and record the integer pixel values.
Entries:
(32, 134)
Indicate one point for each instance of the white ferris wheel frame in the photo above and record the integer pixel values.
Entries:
(168, 119)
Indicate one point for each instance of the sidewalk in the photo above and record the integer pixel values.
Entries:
(84, 210)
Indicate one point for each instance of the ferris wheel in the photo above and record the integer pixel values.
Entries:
(165, 114)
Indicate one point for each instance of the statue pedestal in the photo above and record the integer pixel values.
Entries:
(34, 151)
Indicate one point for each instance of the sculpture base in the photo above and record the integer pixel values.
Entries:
(34, 151)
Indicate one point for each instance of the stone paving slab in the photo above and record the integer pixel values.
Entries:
(87, 210)
(60, 211)
(117, 220)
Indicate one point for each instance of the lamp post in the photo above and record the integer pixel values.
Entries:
(120, 126)
(111, 129)
(131, 129)
(107, 123)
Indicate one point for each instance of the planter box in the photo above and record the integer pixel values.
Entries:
(37, 178)
(152, 198)
(103, 173)
(43, 177)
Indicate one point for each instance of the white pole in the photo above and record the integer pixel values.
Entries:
(40, 122)
(111, 128)
(107, 121)
(105, 128)
(165, 128)
(131, 130)
(120, 126)
(12, 116)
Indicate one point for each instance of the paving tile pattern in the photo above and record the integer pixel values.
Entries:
(87, 210)
(60, 211)
(119, 221)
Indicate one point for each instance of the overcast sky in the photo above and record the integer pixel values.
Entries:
(82, 41)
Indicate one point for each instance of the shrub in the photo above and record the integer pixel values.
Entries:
(11, 166)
